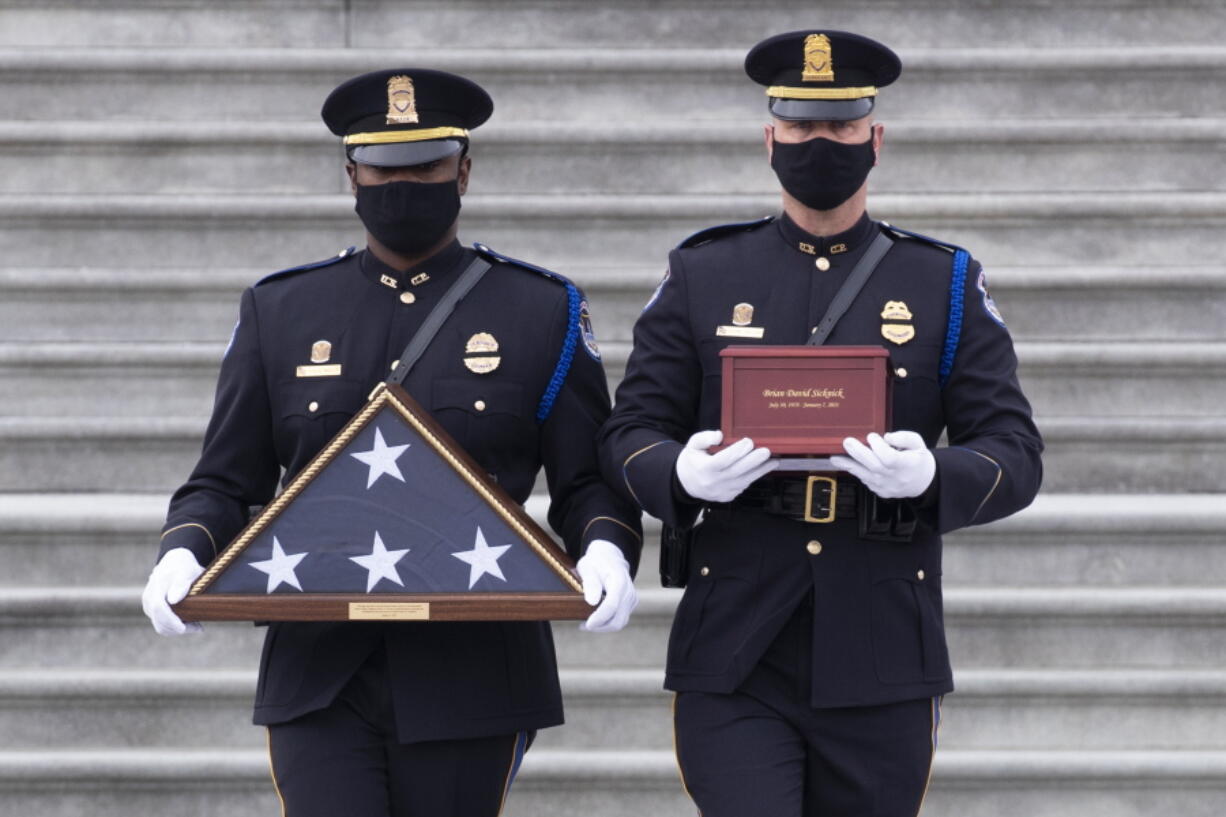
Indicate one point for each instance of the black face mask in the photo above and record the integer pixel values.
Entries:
(821, 173)
(408, 217)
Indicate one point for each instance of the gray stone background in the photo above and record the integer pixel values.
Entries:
(156, 156)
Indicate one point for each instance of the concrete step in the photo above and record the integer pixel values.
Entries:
(1092, 709)
(1061, 379)
(589, 83)
(1004, 627)
(202, 781)
(564, 232)
(625, 23)
(1128, 155)
(76, 540)
(1040, 303)
(1121, 454)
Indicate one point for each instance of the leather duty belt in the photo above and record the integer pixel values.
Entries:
(818, 498)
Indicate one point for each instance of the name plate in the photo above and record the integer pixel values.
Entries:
(389, 611)
(803, 400)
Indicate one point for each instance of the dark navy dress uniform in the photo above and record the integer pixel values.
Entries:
(408, 718)
(856, 616)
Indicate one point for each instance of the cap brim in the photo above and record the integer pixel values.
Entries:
(824, 110)
(405, 154)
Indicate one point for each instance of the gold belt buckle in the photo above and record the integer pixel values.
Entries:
(834, 495)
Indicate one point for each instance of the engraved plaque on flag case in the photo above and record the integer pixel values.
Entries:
(803, 400)
(392, 521)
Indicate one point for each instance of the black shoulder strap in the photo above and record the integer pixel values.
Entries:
(434, 321)
(851, 288)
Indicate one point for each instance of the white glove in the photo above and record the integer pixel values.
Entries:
(168, 584)
(604, 569)
(720, 477)
(896, 466)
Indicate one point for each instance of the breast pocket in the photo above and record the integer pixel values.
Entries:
(917, 391)
(483, 416)
(310, 413)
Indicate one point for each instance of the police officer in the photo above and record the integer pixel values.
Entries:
(808, 651)
(407, 718)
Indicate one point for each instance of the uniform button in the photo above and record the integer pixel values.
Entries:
(920, 575)
(407, 297)
(814, 547)
(706, 571)
(823, 263)
(479, 405)
(313, 406)
(900, 371)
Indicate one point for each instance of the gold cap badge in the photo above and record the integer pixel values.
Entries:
(485, 346)
(321, 351)
(742, 314)
(895, 311)
(819, 66)
(401, 101)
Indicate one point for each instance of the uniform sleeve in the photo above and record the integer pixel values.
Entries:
(657, 405)
(992, 466)
(582, 506)
(238, 465)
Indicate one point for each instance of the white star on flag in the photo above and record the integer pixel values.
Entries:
(381, 564)
(482, 559)
(280, 568)
(381, 459)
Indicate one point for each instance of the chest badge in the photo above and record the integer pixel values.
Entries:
(481, 353)
(897, 327)
(321, 351)
(742, 317)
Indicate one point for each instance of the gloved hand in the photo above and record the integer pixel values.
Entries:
(604, 569)
(168, 584)
(720, 477)
(896, 466)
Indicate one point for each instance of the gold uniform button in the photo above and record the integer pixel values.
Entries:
(823, 263)
(407, 297)
(313, 406)
(920, 575)
(479, 405)
(814, 547)
(900, 371)
(705, 571)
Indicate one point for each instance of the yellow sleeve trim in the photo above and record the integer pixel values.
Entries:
(790, 92)
(614, 521)
(193, 525)
(1000, 472)
(626, 464)
(391, 137)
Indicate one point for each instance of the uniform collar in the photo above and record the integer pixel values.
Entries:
(825, 246)
(437, 267)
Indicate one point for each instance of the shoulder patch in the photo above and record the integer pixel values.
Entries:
(327, 262)
(712, 233)
(655, 296)
(589, 334)
(936, 242)
(490, 255)
(989, 305)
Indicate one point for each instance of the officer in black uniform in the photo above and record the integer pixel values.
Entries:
(407, 718)
(808, 652)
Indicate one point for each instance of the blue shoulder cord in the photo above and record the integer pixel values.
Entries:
(564, 360)
(953, 330)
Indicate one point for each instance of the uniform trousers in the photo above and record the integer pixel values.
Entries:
(764, 749)
(346, 761)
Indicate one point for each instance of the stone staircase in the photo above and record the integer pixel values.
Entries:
(157, 156)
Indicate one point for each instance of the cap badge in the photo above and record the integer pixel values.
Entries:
(895, 311)
(819, 66)
(321, 351)
(401, 101)
(742, 315)
(484, 346)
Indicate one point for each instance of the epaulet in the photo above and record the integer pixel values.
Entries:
(576, 310)
(340, 256)
(927, 239)
(490, 255)
(712, 233)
